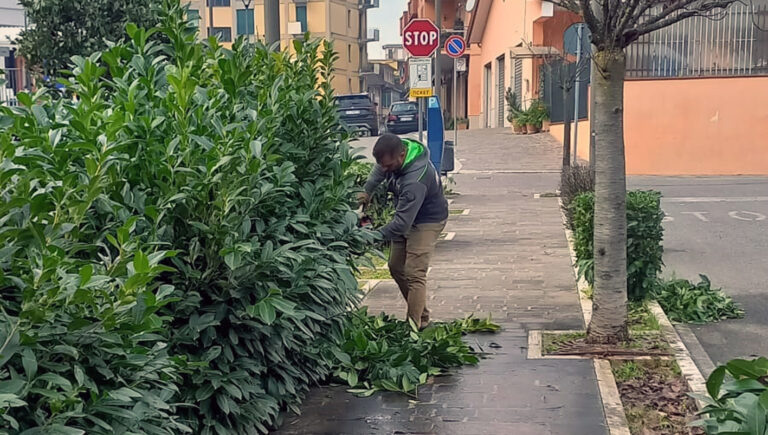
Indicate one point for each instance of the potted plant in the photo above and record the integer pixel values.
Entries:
(542, 115)
(531, 121)
(520, 121)
(463, 124)
(514, 111)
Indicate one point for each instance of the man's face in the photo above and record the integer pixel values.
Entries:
(392, 163)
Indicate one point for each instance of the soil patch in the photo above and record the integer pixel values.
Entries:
(641, 344)
(655, 397)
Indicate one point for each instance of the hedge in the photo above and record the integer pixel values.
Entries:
(644, 240)
(176, 238)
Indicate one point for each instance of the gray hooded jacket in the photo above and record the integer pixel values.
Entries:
(417, 188)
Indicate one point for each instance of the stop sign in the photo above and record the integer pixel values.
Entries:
(421, 37)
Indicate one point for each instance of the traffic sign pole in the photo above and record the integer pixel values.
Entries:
(455, 46)
(455, 104)
(421, 38)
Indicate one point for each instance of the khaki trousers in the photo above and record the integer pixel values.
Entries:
(408, 264)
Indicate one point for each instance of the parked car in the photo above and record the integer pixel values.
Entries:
(358, 112)
(403, 117)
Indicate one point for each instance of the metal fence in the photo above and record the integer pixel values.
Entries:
(732, 42)
(555, 74)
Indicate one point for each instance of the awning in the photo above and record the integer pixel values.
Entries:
(533, 51)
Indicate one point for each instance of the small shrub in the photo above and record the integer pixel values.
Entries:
(644, 237)
(686, 302)
(574, 181)
(737, 400)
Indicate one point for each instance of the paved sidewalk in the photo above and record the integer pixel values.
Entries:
(509, 258)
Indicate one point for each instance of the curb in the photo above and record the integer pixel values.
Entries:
(693, 377)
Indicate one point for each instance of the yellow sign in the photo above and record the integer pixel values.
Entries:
(416, 93)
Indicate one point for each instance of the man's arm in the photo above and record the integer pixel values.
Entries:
(375, 178)
(408, 205)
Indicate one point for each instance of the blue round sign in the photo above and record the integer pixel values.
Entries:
(455, 46)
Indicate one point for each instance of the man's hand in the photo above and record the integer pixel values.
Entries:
(363, 198)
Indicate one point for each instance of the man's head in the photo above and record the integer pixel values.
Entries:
(389, 152)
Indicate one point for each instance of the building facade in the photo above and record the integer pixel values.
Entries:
(694, 97)
(344, 22)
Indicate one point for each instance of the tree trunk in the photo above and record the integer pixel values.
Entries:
(566, 130)
(609, 316)
(592, 71)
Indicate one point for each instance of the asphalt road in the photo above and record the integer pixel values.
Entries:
(718, 226)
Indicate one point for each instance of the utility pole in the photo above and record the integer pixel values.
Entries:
(439, 24)
(210, 18)
(576, 96)
(272, 19)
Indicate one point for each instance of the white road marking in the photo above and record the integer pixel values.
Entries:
(758, 216)
(698, 214)
(718, 199)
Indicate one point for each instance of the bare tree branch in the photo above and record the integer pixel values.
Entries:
(626, 18)
(678, 14)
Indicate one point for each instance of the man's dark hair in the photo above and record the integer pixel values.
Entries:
(388, 145)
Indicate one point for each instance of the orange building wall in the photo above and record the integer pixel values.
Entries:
(505, 26)
(711, 126)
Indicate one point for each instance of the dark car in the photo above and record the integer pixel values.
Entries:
(403, 117)
(358, 112)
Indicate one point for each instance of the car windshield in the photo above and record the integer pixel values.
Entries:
(403, 108)
(359, 100)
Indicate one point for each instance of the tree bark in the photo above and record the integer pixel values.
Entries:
(591, 112)
(609, 316)
(566, 129)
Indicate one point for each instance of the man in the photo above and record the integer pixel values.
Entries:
(420, 215)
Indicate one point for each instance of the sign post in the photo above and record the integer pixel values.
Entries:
(455, 46)
(421, 38)
(420, 75)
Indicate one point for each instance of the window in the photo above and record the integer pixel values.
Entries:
(218, 3)
(404, 107)
(223, 33)
(349, 83)
(193, 15)
(301, 16)
(349, 53)
(386, 99)
(349, 18)
(245, 24)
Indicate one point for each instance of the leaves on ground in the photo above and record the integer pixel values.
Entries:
(686, 302)
(383, 353)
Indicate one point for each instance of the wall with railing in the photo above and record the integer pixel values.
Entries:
(731, 42)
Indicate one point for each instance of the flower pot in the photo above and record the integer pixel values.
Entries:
(463, 126)
(517, 128)
(531, 128)
(545, 125)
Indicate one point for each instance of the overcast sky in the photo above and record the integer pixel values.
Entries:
(386, 18)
